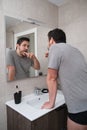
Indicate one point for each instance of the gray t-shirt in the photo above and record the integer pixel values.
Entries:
(72, 70)
(22, 64)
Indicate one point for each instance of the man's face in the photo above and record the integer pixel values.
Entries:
(23, 47)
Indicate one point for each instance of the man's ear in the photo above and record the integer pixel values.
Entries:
(52, 40)
(17, 45)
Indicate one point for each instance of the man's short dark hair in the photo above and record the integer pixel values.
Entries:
(58, 35)
(22, 39)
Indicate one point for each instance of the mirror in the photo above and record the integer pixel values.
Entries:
(36, 32)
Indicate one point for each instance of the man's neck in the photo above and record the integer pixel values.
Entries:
(18, 52)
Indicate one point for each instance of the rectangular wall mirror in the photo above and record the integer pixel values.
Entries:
(37, 33)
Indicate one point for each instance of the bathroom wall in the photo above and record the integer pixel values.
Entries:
(72, 17)
(37, 9)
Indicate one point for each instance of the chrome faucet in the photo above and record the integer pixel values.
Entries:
(37, 91)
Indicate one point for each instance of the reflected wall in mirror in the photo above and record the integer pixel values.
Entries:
(16, 28)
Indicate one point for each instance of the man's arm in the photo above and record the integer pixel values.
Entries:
(36, 64)
(52, 87)
(11, 72)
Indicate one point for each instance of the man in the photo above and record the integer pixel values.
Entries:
(20, 60)
(67, 64)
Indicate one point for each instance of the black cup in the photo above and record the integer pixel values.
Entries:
(17, 97)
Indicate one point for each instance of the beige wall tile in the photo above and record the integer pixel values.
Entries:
(73, 19)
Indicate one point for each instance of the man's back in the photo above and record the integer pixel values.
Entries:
(72, 70)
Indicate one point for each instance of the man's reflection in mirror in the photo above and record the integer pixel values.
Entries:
(20, 60)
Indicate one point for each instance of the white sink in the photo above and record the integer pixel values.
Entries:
(38, 101)
(30, 107)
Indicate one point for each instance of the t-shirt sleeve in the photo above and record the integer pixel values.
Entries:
(54, 57)
(9, 58)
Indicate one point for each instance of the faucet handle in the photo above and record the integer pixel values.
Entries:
(44, 90)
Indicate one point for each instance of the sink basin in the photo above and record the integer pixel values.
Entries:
(39, 100)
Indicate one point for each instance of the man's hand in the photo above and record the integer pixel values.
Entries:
(47, 105)
(46, 54)
(29, 55)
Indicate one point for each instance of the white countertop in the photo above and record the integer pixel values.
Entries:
(31, 112)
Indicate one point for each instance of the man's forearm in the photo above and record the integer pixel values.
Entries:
(35, 60)
(52, 86)
(36, 63)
